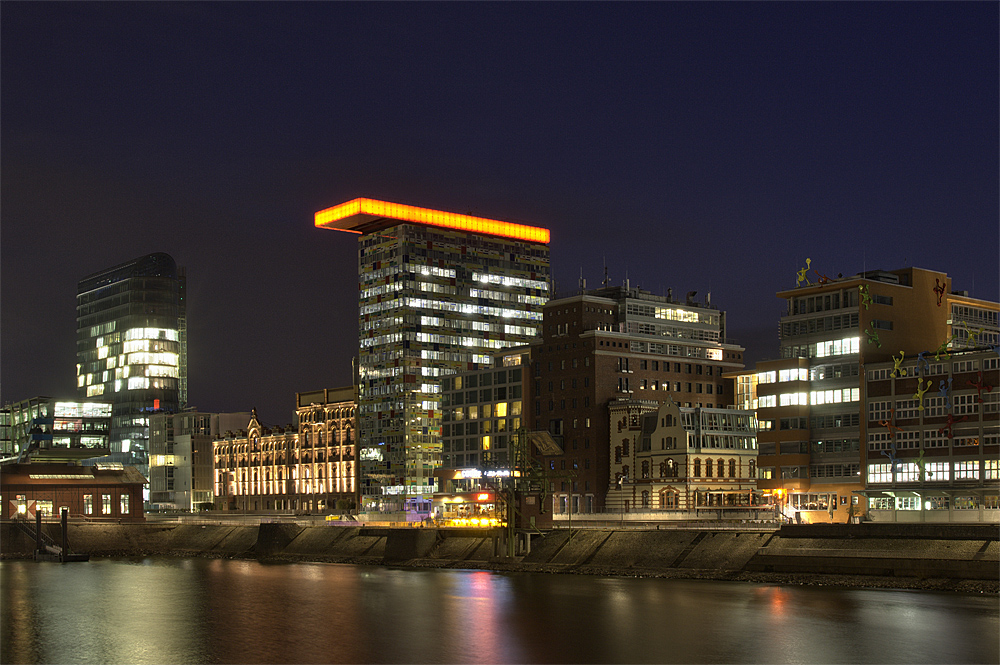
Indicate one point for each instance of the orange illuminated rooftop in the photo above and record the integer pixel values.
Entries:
(367, 215)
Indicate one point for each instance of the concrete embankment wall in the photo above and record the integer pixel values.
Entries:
(923, 551)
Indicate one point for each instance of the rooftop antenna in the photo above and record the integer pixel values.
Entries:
(605, 282)
(583, 282)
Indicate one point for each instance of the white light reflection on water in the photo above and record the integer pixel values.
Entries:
(220, 611)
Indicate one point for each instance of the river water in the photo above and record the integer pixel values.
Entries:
(164, 610)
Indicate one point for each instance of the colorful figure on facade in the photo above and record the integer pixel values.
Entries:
(891, 454)
(939, 289)
(801, 274)
(972, 338)
(943, 391)
(921, 463)
(891, 425)
(980, 385)
(866, 299)
(897, 365)
(873, 336)
(922, 360)
(950, 424)
(919, 395)
(823, 279)
(943, 349)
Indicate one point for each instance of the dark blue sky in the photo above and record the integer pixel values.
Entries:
(698, 146)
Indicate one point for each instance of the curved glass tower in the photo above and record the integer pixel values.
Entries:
(131, 347)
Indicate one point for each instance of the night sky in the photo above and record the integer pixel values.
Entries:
(703, 147)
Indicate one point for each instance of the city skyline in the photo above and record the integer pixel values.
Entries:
(708, 147)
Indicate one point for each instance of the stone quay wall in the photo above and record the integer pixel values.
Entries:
(897, 551)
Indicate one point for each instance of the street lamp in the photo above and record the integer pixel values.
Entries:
(621, 497)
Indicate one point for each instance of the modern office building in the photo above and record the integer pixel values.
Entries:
(7, 449)
(933, 437)
(610, 344)
(438, 293)
(66, 431)
(810, 401)
(482, 410)
(132, 347)
(181, 461)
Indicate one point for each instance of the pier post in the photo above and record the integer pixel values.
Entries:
(65, 535)
(38, 532)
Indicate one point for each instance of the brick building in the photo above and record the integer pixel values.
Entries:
(618, 343)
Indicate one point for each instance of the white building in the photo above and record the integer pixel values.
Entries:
(181, 467)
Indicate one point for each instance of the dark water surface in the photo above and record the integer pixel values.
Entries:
(162, 610)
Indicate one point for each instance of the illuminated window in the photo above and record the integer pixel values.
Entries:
(966, 503)
(879, 473)
(124, 504)
(936, 471)
(88, 504)
(105, 504)
(907, 473)
(968, 470)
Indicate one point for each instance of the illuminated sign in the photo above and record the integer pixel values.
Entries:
(469, 473)
(482, 496)
(403, 489)
(498, 473)
(354, 215)
(82, 410)
(371, 454)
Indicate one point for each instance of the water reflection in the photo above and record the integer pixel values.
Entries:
(219, 611)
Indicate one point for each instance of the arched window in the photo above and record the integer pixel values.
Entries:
(697, 468)
(721, 468)
(645, 468)
(732, 468)
(668, 499)
(645, 498)
(752, 469)
(708, 468)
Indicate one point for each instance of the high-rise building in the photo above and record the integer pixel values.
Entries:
(810, 402)
(132, 347)
(439, 292)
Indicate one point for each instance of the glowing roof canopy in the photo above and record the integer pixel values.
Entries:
(366, 215)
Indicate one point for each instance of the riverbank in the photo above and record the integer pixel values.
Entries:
(964, 558)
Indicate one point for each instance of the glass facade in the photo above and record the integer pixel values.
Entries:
(433, 302)
(43, 425)
(132, 347)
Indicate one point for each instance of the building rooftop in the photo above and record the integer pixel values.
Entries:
(367, 215)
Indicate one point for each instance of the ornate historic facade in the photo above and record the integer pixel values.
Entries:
(313, 468)
(670, 458)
